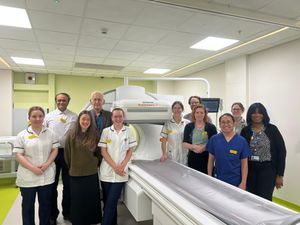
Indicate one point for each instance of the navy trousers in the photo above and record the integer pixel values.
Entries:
(44, 194)
(111, 195)
(61, 167)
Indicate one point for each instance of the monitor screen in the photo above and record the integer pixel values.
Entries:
(211, 104)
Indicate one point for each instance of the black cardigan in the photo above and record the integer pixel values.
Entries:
(277, 145)
(188, 130)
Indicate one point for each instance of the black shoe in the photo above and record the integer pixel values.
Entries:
(53, 222)
(67, 217)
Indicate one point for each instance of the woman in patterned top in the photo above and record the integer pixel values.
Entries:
(195, 138)
(267, 164)
(237, 110)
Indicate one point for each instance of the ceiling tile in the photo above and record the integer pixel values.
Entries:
(20, 45)
(68, 7)
(132, 46)
(86, 59)
(160, 16)
(57, 49)
(123, 11)
(98, 27)
(123, 55)
(93, 42)
(55, 22)
(96, 52)
(56, 37)
(16, 33)
(144, 34)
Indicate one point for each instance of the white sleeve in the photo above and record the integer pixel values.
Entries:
(19, 144)
(104, 138)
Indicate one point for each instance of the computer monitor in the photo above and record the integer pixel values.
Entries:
(211, 104)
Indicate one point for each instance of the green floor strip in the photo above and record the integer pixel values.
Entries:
(287, 204)
(8, 195)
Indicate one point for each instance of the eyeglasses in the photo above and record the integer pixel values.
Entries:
(195, 103)
(226, 123)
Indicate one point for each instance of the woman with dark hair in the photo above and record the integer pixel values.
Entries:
(82, 161)
(172, 136)
(267, 163)
(237, 110)
(229, 152)
(36, 149)
(195, 138)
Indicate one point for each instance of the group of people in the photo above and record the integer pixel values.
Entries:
(63, 143)
(249, 154)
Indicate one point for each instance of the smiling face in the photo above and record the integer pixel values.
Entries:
(257, 117)
(194, 102)
(117, 117)
(97, 101)
(236, 111)
(36, 118)
(199, 114)
(84, 122)
(177, 110)
(227, 124)
(62, 102)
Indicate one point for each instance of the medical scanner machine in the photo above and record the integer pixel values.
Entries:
(170, 193)
(8, 165)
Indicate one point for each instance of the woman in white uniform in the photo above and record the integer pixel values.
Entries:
(36, 149)
(117, 143)
(172, 136)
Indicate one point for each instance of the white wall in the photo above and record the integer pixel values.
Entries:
(235, 82)
(6, 99)
(274, 78)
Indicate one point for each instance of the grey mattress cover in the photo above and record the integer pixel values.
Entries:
(224, 201)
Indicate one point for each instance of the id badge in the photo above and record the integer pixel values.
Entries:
(254, 158)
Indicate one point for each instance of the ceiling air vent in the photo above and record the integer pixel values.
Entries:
(98, 66)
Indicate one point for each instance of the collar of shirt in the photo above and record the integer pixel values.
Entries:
(113, 129)
(58, 112)
(173, 121)
(30, 131)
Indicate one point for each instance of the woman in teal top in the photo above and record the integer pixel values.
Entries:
(196, 136)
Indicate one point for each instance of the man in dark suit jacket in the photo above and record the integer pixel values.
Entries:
(101, 118)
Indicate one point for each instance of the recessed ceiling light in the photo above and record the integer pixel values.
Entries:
(28, 61)
(213, 43)
(14, 17)
(156, 71)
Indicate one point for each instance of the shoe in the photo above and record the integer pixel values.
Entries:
(53, 222)
(67, 217)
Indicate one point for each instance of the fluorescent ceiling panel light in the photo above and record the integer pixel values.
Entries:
(213, 43)
(28, 61)
(156, 71)
(228, 50)
(14, 17)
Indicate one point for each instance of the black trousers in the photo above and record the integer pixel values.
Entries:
(61, 168)
(44, 194)
(261, 179)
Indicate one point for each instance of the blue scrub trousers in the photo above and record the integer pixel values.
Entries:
(111, 195)
(44, 194)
